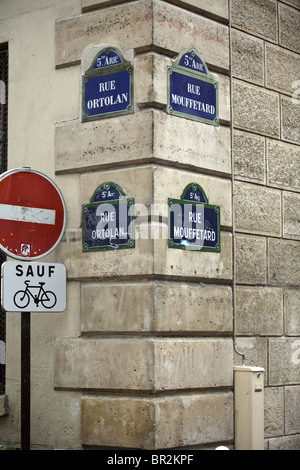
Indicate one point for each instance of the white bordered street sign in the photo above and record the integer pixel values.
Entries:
(33, 287)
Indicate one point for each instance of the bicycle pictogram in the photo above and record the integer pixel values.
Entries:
(46, 298)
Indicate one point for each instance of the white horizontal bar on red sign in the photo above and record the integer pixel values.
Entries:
(27, 214)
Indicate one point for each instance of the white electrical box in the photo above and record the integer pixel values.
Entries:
(249, 408)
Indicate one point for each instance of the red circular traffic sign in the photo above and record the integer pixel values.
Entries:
(32, 214)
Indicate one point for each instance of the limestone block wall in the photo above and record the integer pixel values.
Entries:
(265, 39)
(154, 358)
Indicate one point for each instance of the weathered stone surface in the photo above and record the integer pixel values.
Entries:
(73, 35)
(285, 443)
(249, 157)
(283, 165)
(104, 364)
(102, 144)
(176, 29)
(282, 68)
(192, 363)
(290, 118)
(274, 411)
(256, 353)
(258, 17)
(107, 264)
(291, 312)
(182, 263)
(224, 98)
(117, 307)
(157, 423)
(289, 20)
(251, 262)
(259, 311)
(192, 307)
(150, 89)
(12, 10)
(195, 145)
(217, 9)
(130, 140)
(155, 306)
(143, 364)
(3, 405)
(256, 110)
(284, 262)
(136, 182)
(247, 57)
(70, 189)
(118, 422)
(130, 26)
(194, 419)
(293, 3)
(292, 409)
(284, 361)
(149, 257)
(257, 209)
(152, 185)
(291, 219)
(94, 4)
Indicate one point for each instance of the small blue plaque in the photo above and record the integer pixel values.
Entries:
(192, 61)
(108, 221)
(107, 86)
(192, 91)
(107, 58)
(193, 224)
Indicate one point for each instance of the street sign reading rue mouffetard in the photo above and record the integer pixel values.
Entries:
(193, 223)
(108, 220)
(192, 91)
(107, 86)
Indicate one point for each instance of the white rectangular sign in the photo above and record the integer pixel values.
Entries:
(33, 287)
(27, 214)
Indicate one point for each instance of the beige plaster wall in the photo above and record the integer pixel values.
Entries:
(39, 95)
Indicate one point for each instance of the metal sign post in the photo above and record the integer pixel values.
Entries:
(25, 380)
(36, 287)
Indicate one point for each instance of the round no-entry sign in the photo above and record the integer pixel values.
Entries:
(32, 214)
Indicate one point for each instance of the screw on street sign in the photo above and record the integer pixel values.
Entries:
(107, 87)
(108, 220)
(33, 287)
(32, 214)
(193, 223)
(192, 91)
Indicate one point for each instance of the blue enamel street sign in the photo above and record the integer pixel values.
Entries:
(192, 91)
(107, 221)
(194, 224)
(107, 87)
